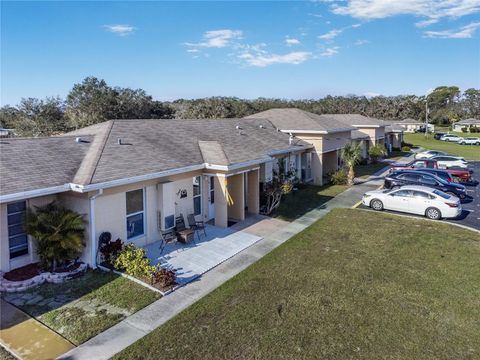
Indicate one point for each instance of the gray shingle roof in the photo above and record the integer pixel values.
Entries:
(37, 163)
(157, 145)
(296, 119)
(353, 119)
(409, 121)
(470, 121)
(147, 146)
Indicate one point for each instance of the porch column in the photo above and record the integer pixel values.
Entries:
(317, 173)
(221, 207)
(236, 189)
(253, 196)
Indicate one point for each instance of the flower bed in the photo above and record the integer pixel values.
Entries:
(31, 275)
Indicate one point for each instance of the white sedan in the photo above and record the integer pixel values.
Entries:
(470, 141)
(446, 162)
(419, 200)
(428, 154)
(450, 138)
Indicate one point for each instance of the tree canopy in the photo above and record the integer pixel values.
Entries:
(93, 101)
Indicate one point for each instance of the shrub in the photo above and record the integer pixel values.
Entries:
(406, 148)
(59, 233)
(376, 152)
(464, 129)
(339, 177)
(133, 261)
(164, 277)
(407, 144)
(474, 129)
(110, 249)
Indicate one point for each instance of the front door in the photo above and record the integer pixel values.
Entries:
(211, 198)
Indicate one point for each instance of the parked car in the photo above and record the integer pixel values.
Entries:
(420, 200)
(428, 154)
(463, 175)
(470, 141)
(438, 135)
(409, 177)
(444, 161)
(442, 174)
(422, 130)
(450, 138)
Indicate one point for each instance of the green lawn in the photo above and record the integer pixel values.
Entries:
(301, 201)
(5, 355)
(92, 303)
(364, 171)
(469, 152)
(355, 285)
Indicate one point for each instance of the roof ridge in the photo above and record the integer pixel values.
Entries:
(87, 168)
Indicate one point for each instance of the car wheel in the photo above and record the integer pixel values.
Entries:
(433, 213)
(376, 204)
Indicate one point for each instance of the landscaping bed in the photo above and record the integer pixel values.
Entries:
(355, 284)
(5, 355)
(85, 306)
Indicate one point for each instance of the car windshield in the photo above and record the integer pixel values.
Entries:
(441, 194)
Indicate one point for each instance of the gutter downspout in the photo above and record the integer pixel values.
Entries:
(93, 238)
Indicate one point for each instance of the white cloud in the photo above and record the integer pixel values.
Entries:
(217, 38)
(119, 29)
(291, 41)
(193, 50)
(361, 42)
(263, 59)
(465, 32)
(315, 15)
(331, 34)
(370, 94)
(330, 51)
(432, 10)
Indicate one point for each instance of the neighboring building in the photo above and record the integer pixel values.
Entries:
(6, 132)
(393, 136)
(466, 124)
(412, 125)
(132, 177)
(327, 135)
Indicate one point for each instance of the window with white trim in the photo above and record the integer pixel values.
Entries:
(135, 213)
(197, 195)
(17, 237)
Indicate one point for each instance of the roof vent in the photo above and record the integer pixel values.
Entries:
(262, 127)
(290, 139)
(78, 140)
(119, 141)
(239, 129)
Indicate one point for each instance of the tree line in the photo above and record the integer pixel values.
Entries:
(93, 101)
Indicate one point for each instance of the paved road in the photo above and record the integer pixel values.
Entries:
(471, 208)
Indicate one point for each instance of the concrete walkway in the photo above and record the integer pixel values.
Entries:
(27, 338)
(125, 333)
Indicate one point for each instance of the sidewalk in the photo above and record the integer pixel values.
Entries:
(125, 333)
(27, 338)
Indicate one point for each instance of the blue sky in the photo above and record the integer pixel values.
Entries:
(245, 49)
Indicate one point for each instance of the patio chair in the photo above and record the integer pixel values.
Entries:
(168, 236)
(196, 225)
(184, 235)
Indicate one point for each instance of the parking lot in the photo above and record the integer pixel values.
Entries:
(471, 207)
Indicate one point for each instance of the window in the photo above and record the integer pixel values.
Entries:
(197, 195)
(403, 193)
(441, 194)
(135, 213)
(429, 180)
(17, 237)
(421, 194)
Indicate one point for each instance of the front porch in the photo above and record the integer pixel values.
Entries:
(194, 259)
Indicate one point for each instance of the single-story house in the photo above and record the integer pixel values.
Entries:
(393, 136)
(466, 124)
(132, 177)
(327, 135)
(412, 125)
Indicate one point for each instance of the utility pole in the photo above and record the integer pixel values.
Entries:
(426, 116)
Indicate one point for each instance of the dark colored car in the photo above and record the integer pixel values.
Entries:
(438, 135)
(416, 177)
(463, 175)
(442, 174)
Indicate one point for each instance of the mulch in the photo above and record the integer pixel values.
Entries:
(31, 270)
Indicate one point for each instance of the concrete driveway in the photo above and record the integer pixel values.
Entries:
(471, 207)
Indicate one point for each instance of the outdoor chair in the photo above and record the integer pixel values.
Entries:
(168, 236)
(184, 235)
(196, 225)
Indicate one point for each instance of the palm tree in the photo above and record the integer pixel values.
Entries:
(351, 156)
(59, 233)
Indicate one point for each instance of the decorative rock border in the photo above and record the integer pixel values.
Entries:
(51, 277)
